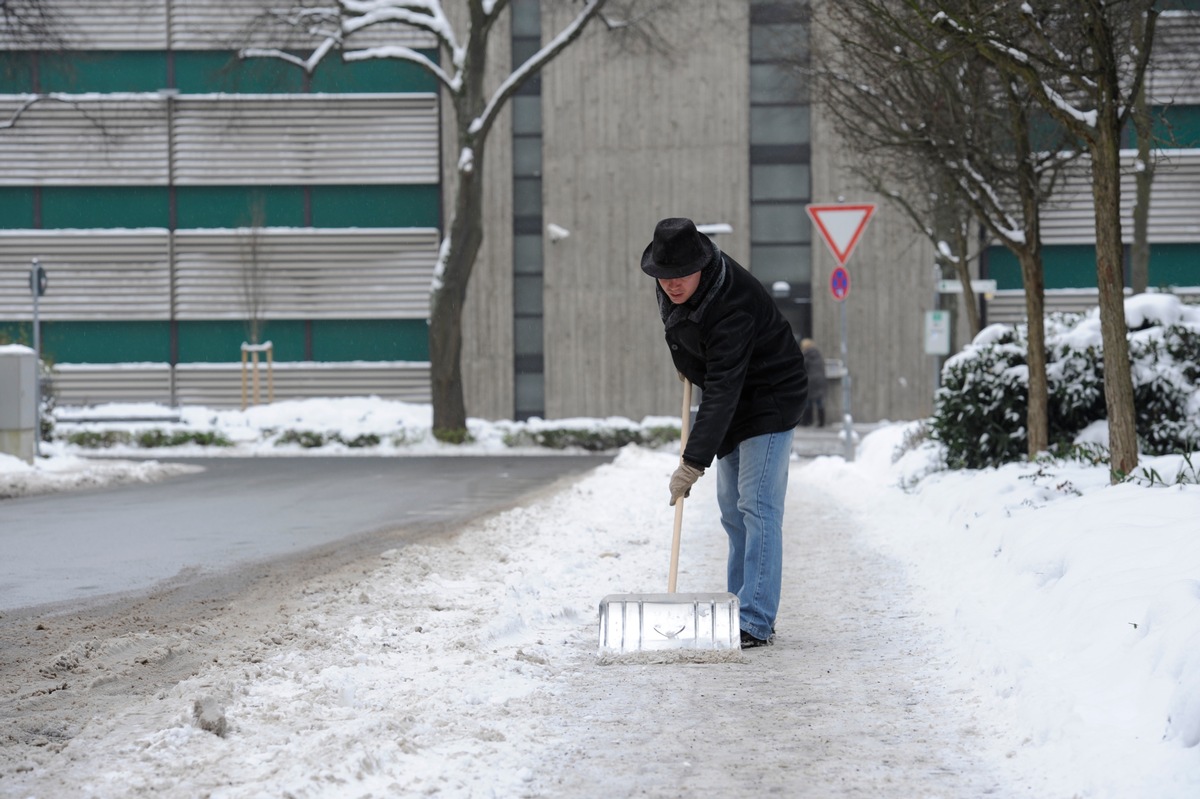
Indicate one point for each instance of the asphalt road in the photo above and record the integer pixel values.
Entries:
(209, 528)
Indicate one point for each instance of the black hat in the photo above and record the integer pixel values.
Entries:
(678, 250)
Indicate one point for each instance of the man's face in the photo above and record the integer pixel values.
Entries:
(680, 289)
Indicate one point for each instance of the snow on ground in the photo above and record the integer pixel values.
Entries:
(1070, 606)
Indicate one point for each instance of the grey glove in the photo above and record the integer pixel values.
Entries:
(683, 479)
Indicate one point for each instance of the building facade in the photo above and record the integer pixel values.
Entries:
(180, 197)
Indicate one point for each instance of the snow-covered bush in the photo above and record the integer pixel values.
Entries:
(979, 413)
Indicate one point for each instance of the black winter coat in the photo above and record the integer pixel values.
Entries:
(740, 351)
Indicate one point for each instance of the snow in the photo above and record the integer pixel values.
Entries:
(1069, 607)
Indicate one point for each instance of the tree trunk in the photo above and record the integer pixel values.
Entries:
(1037, 412)
(963, 269)
(1118, 384)
(445, 319)
(1139, 266)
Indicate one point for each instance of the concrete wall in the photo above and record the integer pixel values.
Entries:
(634, 134)
(891, 288)
(487, 358)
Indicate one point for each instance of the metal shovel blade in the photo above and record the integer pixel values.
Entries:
(656, 622)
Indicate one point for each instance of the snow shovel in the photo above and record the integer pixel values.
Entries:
(671, 625)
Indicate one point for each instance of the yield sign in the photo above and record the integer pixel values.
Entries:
(841, 225)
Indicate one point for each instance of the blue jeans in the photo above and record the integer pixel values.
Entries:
(751, 484)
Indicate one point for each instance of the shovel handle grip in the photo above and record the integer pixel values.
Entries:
(685, 424)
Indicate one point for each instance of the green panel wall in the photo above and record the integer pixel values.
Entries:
(376, 75)
(1174, 265)
(83, 71)
(202, 71)
(16, 73)
(105, 207)
(16, 333)
(237, 206)
(375, 206)
(1177, 126)
(16, 207)
(1075, 266)
(1067, 266)
(221, 341)
(371, 340)
(103, 71)
(99, 342)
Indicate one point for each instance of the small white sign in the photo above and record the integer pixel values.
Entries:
(977, 286)
(937, 332)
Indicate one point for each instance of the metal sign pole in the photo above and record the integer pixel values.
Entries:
(841, 226)
(847, 417)
(36, 288)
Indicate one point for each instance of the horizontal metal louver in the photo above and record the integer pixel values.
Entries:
(1173, 77)
(102, 25)
(88, 384)
(93, 274)
(1007, 306)
(82, 140)
(190, 25)
(1174, 218)
(322, 139)
(305, 274)
(86, 140)
(351, 273)
(219, 385)
(220, 24)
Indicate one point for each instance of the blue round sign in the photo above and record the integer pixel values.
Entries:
(839, 283)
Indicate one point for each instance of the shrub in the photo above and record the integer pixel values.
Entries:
(360, 441)
(98, 439)
(308, 439)
(591, 439)
(153, 439)
(979, 413)
(1162, 388)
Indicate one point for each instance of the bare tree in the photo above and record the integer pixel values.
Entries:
(947, 137)
(462, 76)
(254, 271)
(30, 24)
(1084, 61)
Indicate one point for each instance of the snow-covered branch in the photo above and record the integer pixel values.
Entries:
(307, 64)
(534, 63)
(20, 110)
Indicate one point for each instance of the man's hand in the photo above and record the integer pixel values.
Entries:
(683, 479)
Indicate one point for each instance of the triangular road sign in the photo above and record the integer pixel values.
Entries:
(841, 225)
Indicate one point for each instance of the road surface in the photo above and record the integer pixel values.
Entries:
(86, 545)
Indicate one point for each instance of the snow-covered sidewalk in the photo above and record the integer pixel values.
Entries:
(922, 651)
(469, 668)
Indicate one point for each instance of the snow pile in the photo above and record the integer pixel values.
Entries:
(1073, 602)
(1069, 606)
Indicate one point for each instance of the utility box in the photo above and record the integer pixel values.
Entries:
(18, 402)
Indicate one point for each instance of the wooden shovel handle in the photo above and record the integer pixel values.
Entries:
(683, 437)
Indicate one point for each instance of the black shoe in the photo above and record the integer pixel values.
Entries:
(749, 641)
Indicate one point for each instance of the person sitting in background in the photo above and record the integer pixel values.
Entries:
(814, 365)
